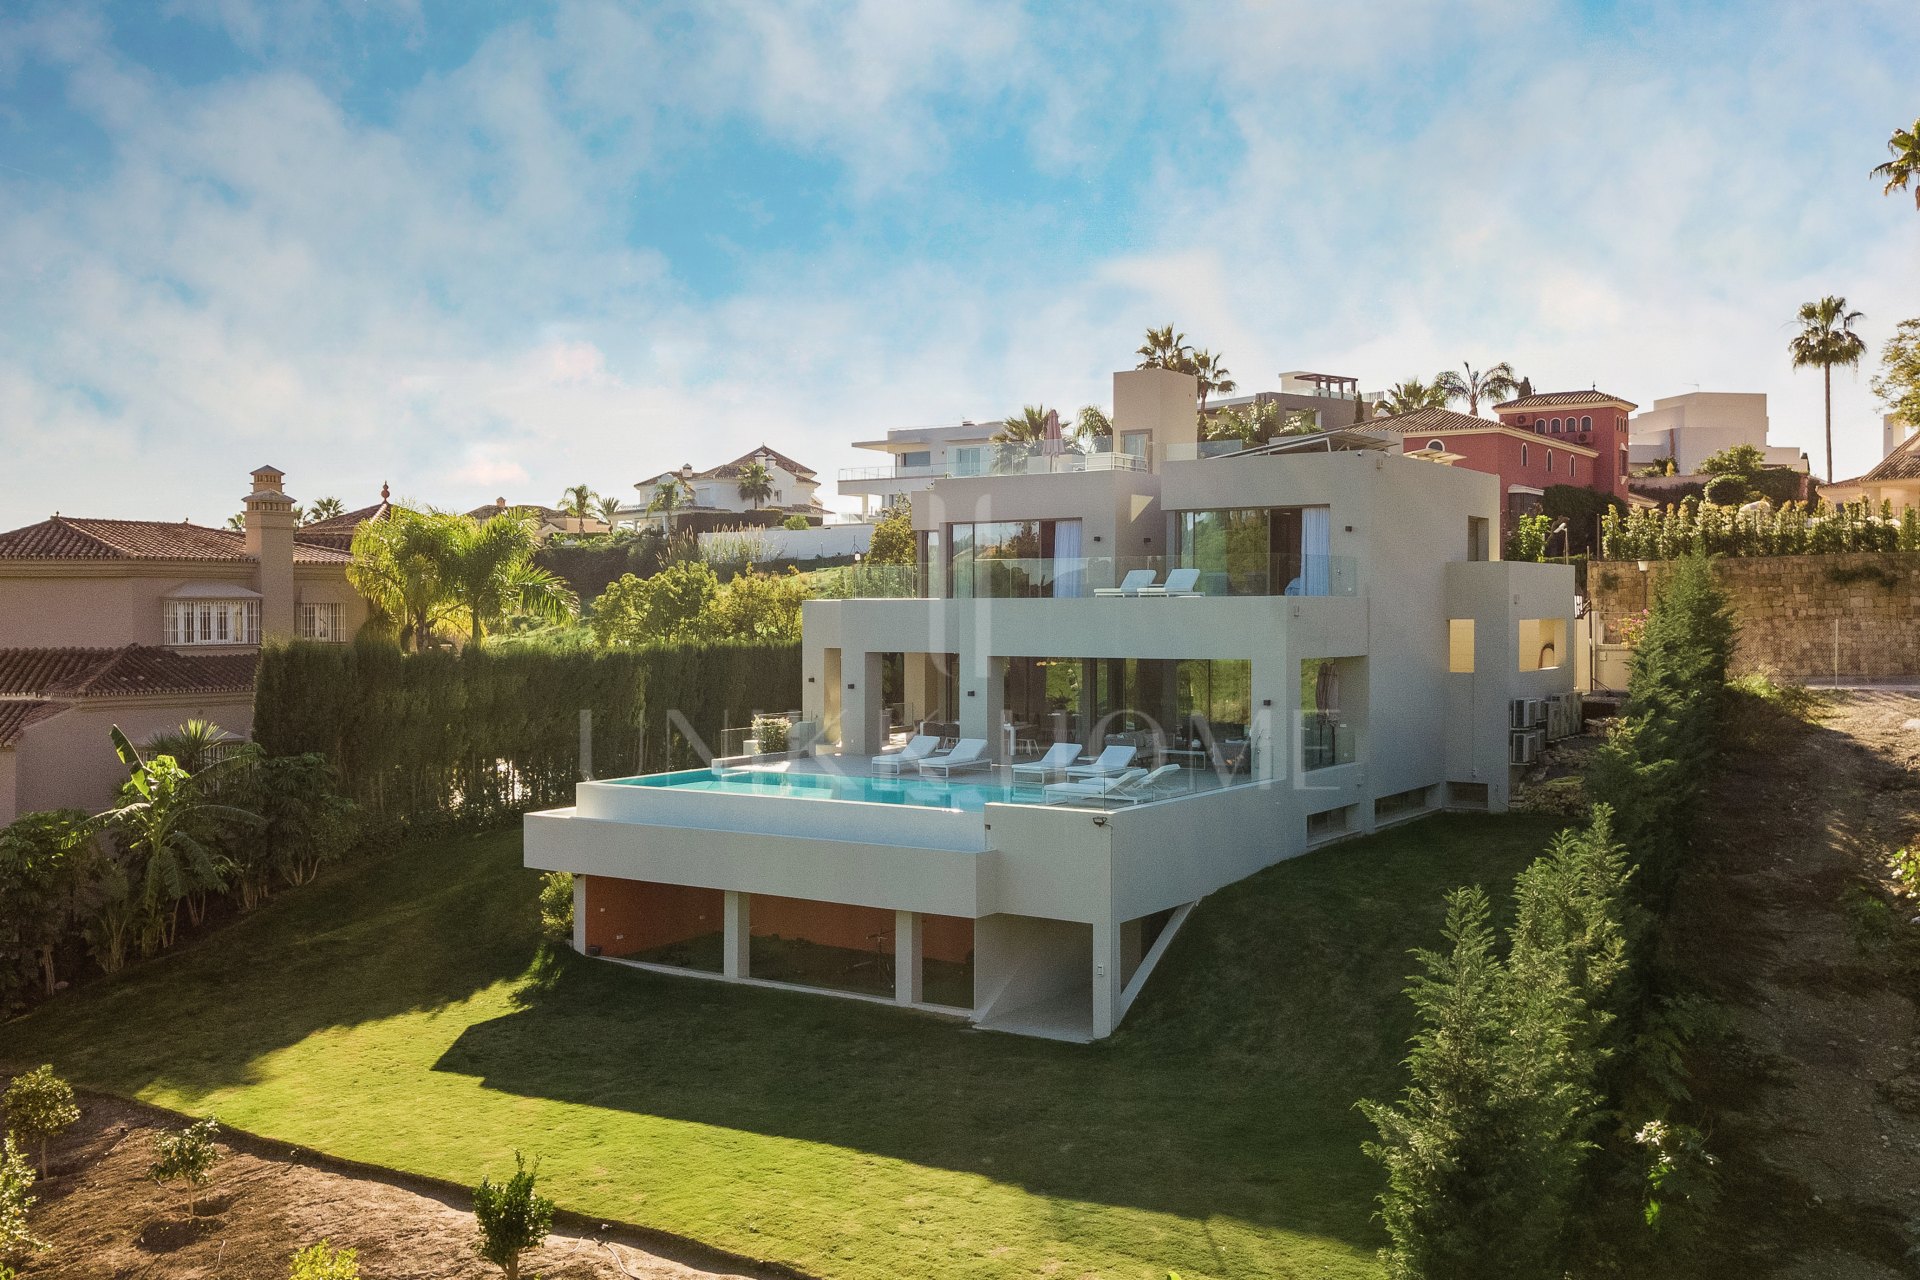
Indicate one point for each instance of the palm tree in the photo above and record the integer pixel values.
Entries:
(1826, 338)
(1214, 377)
(608, 508)
(490, 570)
(577, 501)
(1493, 383)
(1091, 424)
(1901, 171)
(197, 745)
(756, 483)
(669, 496)
(237, 523)
(1165, 349)
(1029, 426)
(399, 566)
(1406, 397)
(325, 509)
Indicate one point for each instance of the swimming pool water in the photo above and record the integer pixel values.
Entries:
(927, 793)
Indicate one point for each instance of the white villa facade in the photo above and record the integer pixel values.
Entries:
(1338, 652)
(1693, 427)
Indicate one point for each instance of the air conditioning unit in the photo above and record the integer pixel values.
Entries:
(1563, 715)
(1523, 747)
(1517, 714)
(1536, 713)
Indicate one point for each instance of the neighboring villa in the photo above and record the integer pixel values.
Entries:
(921, 455)
(1558, 437)
(1691, 428)
(547, 521)
(1895, 480)
(711, 499)
(1151, 681)
(145, 624)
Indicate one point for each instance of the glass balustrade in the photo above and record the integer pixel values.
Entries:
(981, 577)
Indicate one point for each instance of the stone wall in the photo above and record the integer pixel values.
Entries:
(1800, 616)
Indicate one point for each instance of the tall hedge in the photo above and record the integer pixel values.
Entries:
(478, 736)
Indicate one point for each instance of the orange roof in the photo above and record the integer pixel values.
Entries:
(120, 673)
(1564, 399)
(72, 538)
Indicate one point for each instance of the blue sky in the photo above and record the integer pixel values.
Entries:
(479, 249)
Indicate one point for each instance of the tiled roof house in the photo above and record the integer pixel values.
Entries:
(144, 624)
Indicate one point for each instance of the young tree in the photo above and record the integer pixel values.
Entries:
(512, 1217)
(756, 483)
(187, 1156)
(756, 606)
(1471, 385)
(669, 496)
(1898, 382)
(324, 1262)
(304, 823)
(1905, 165)
(16, 1181)
(1826, 339)
(667, 606)
(577, 501)
(39, 1107)
(893, 540)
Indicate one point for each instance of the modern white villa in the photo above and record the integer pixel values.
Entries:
(1104, 694)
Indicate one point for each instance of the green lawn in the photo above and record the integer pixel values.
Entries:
(393, 1014)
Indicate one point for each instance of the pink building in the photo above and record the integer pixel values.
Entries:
(1591, 419)
(145, 624)
(1526, 462)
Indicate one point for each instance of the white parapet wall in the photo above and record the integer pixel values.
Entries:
(820, 542)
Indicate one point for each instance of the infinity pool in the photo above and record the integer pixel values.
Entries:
(927, 793)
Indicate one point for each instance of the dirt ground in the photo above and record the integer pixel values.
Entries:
(106, 1221)
(1792, 919)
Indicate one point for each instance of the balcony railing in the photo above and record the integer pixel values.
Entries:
(1326, 739)
(1007, 460)
(1061, 578)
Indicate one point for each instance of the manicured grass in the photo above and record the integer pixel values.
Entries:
(396, 1014)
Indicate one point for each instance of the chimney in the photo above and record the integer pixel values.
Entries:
(269, 540)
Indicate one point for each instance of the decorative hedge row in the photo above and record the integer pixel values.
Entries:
(478, 736)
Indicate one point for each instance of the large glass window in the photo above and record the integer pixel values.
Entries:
(1196, 712)
(1256, 551)
(1004, 559)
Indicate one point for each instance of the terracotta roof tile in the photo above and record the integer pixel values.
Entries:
(1902, 464)
(72, 538)
(730, 470)
(1422, 421)
(1561, 399)
(17, 713)
(120, 673)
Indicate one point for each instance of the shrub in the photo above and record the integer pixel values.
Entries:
(16, 1181)
(796, 523)
(40, 1107)
(556, 905)
(772, 732)
(511, 1218)
(48, 862)
(1528, 538)
(187, 1156)
(893, 540)
(1728, 491)
(323, 1262)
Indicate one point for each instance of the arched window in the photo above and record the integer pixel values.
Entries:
(1434, 446)
(1549, 462)
(1523, 455)
(1586, 423)
(1556, 426)
(1573, 467)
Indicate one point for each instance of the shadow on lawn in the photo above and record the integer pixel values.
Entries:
(1119, 1124)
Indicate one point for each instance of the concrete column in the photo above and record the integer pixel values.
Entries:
(1107, 986)
(906, 957)
(580, 913)
(921, 684)
(735, 933)
(830, 700)
(863, 711)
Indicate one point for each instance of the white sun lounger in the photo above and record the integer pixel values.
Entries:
(1111, 763)
(1091, 789)
(968, 753)
(1136, 581)
(1050, 767)
(1180, 582)
(918, 748)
